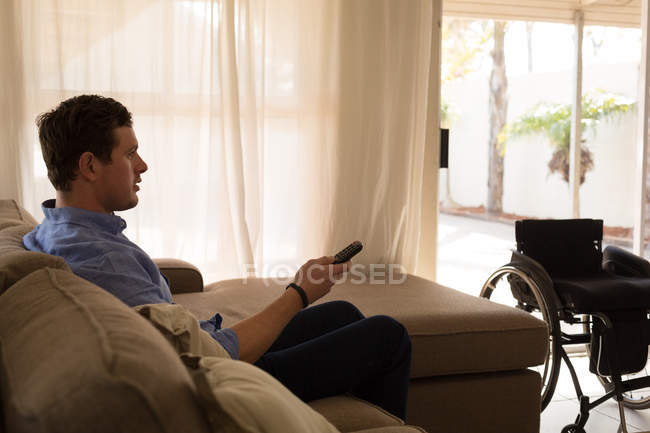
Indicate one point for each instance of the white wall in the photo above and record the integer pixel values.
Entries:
(529, 189)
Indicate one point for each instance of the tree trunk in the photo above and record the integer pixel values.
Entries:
(498, 110)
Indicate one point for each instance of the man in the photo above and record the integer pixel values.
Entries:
(91, 153)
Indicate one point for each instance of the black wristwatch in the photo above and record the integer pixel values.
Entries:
(301, 292)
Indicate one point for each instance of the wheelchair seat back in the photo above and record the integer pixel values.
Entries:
(565, 248)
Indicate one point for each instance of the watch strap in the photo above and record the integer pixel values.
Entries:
(301, 292)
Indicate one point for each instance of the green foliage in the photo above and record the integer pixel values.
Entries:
(465, 45)
(554, 120)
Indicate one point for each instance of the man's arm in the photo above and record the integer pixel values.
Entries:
(132, 289)
(258, 332)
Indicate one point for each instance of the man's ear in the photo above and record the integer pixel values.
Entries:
(88, 166)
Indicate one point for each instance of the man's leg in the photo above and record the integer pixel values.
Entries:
(316, 321)
(368, 357)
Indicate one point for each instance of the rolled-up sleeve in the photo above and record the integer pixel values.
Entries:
(227, 337)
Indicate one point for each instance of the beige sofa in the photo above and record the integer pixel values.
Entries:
(70, 351)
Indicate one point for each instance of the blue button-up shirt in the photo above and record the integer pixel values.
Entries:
(93, 245)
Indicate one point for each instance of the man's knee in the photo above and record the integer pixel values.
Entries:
(344, 310)
(392, 330)
(388, 325)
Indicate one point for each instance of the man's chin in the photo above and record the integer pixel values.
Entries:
(134, 202)
(130, 205)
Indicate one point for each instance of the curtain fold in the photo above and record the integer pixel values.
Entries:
(11, 101)
(385, 58)
(275, 131)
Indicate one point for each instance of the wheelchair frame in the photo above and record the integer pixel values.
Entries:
(553, 312)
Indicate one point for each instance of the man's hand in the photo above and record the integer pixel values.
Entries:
(317, 276)
(258, 332)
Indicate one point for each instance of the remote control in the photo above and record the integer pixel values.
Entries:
(348, 252)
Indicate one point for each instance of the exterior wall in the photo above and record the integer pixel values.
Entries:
(529, 189)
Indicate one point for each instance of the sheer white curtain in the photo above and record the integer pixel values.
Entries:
(274, 130)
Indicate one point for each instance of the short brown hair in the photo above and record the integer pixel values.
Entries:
(80, 124)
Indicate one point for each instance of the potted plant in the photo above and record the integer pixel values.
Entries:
(554, 121)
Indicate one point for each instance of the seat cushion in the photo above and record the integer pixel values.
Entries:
(451, 332)
(73, 358)
(350, 414)
(603, 292)
(239, 397)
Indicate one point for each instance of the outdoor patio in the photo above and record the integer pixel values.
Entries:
(470, 249)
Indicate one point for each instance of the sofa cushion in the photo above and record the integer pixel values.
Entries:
(241, 397)
(451, 332)
(508, 401)
(181, 329)
(183, 277)
(17, 262)
(350, 414)
(10, 210)
(73, 358)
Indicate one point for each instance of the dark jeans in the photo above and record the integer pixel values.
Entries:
(331, 349)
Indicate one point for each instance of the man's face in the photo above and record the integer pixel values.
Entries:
(116, 185)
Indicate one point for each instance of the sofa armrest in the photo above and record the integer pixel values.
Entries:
(183, 277)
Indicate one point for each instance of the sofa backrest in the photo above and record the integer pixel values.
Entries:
(12, 211)
(15, 261)
(73, 358)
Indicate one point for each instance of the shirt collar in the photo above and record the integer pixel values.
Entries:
(95, 220)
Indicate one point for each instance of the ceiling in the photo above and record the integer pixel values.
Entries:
(619, 13)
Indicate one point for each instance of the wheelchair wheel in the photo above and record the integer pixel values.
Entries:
(498, 289)
(637, 399)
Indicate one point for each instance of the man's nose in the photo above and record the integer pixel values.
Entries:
(142, 166)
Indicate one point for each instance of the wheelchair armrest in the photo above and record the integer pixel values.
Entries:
(618, 261)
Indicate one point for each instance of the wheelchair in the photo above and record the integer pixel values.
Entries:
(588, 298)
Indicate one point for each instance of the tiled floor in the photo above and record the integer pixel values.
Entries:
(564, 408)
